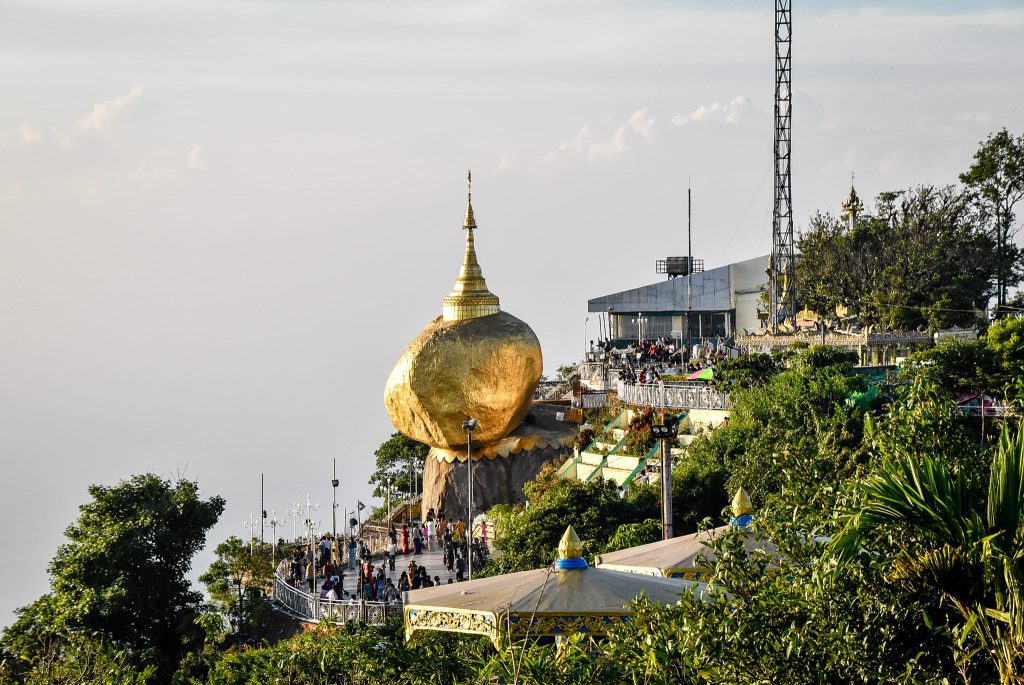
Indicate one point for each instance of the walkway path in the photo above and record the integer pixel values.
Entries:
(432, 561)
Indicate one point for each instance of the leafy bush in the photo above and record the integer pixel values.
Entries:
(748, 371)
(528, 535)
(794, 439)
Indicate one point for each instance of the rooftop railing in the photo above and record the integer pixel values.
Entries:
(682, 395)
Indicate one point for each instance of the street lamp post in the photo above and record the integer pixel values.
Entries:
(388, 495)
(273, 524)
(585, 348)
(252, 525)
(640, 320)
(334, 504)
(469, 425)
(295, 512)
(306, 512)
(664, 435)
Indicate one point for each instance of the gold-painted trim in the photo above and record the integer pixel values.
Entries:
(695, 573)
(506, 624)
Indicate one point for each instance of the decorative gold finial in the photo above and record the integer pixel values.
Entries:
(470, 222)
(741, 504)
(570, 547)
(852, 206)
(469, 297)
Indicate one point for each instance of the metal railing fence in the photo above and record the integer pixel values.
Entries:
(313, 608)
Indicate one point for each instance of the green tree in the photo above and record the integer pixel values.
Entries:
(792, 441)
(918, 258)
(237, 579)
(1005, 339)
(747, 371)
(996, 182)
(527, 536)
(949, 540)
(955, 367)
(122, 575)
(400, 463)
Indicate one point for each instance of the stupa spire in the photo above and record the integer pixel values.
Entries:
(470, 223)
(852, 206)
(469, 297)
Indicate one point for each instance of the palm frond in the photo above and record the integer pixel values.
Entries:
(917, 495)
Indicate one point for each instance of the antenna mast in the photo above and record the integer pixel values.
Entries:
(781, 286)
(689, 261)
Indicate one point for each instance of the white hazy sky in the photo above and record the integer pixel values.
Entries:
(223, 221)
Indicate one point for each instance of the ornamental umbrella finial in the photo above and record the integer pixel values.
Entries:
(570, 547)
(741, 504)
(570, 551)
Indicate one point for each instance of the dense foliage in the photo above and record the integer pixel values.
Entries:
(120, 581)
(527, 536)
(793, 438)
(398, 466)
(237, 580)
(918, 258)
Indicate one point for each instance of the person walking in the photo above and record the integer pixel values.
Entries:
(311, 576)
(392, 552)
(431, 526)
(405, 539)
(460, 569)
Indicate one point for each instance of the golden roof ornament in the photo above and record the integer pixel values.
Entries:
(853, 206)
(741, 504)
(570, 547)
(469, 297)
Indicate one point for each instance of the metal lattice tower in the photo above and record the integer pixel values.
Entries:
(782, 293)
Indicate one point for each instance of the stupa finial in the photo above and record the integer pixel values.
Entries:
(570, 547)
(469, 297)
(852, 206)
(470, 222)
(741, 504)
(570, 552)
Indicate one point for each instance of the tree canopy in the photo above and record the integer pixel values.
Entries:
(122, 575)
(918, 258)
(996, 183)
(394, 457)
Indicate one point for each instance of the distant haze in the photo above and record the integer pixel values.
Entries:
(223, 221)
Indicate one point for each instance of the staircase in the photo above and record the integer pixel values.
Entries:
(602, 459)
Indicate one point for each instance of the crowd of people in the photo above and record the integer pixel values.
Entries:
(644, 361)
(326, 560)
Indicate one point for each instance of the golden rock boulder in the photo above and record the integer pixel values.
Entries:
(485, 367)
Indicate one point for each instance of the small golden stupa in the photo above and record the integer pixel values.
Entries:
(473, 361)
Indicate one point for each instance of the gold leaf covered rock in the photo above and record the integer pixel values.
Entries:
(485, 367)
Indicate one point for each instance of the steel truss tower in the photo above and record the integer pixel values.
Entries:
(781, 286)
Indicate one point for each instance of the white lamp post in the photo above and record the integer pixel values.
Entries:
(469, 425)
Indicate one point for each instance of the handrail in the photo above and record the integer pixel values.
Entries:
(308, 607)
(683, 395)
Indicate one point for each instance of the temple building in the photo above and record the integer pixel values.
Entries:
(728, 302)
(719, 302)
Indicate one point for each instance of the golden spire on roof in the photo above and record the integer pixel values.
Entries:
(852, 206)
(741, 504)
(469, 297)
(570, 547)
(470, 221)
